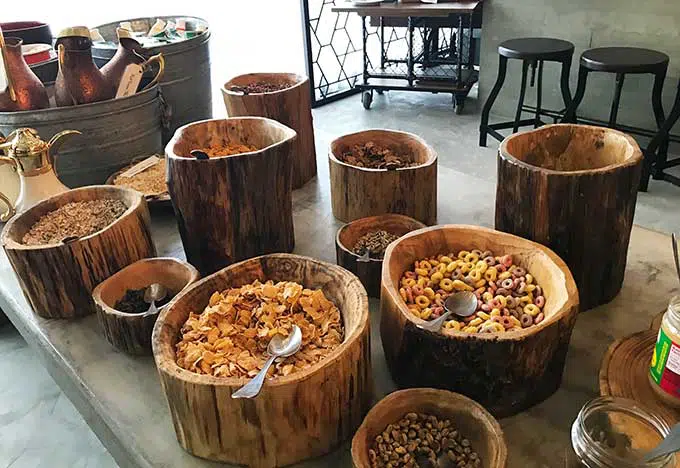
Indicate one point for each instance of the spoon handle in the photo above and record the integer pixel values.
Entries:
(675, 255)
(252, 388)
(436, 324)
(670, 444)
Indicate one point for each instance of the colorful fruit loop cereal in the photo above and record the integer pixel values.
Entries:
(230, 337)
(508, 297)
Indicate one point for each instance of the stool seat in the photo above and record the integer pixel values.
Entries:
(536, 48)
(624, 60)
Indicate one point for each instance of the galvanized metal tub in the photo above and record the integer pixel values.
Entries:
(113, 133)
(186, 81)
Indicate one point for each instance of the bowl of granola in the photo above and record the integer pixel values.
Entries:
(212, 338)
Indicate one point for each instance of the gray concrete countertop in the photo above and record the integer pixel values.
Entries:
(121, 399)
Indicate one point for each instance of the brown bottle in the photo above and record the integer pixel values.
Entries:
(25, 91)
(79, 81)
(130, 51)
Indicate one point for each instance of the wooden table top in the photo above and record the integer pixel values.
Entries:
(424, 10)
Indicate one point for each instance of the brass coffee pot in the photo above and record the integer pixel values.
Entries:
(33, 159)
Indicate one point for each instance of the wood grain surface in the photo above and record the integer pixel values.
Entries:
(358, 192)
(58, 279)
(233, 207)
(507, 373)
(291, 107)
(573, 188)
(131, 333)
(470, 418)
(300, 416)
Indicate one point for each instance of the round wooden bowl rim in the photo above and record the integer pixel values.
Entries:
(636, 158)
(378, 219)
(151, 199)
(170, 154)
(10, 243)
(97, 292)
(432, 158)
(170, 367)
(299, 81)
(418, 394)
(570, 286)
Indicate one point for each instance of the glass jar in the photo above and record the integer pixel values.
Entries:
(614, 432)
(664, 370)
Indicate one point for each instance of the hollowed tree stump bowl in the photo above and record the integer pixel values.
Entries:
(291, 106)
(507, 372)
(303, 415)
(58, 279)
(369, 272)
(470, 418)
(573, 188)
(230, 208)
(131, 333)
(359, 192)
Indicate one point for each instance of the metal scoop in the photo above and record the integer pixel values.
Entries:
(462, 304)
(670, 443)
(154, 293)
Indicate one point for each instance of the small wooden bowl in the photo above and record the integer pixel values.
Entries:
(58, 279)
(300, 416)
(162, 199)
(470, 418)
(369, 272)
(358, 192)
(131, 333)
(506, 372)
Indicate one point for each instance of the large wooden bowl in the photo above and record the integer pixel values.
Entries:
(358, 192)
(233, 207)
(506, 372)
(58, 279)
(369, 272)
(291, 106)
(131, 333)
(303, 415)
(470, 418)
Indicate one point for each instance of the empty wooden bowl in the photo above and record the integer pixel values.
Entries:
(131, 333)
(358, 192)
(471, 419)
(299, 416)
(369, 271)
(506, 372)
(58, 279)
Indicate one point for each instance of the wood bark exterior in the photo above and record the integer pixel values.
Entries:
(300, 416)
(506, 373)
(573, 188)
(469, 417)
(131, 333)
(357, 192)
(233, 207)
(369, 272)
(58, 279)
(291, 107)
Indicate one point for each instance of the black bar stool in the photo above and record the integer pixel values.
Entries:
(622, 61)
(532, 51)
(660, 162)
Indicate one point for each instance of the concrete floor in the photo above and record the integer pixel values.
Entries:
(39, 427)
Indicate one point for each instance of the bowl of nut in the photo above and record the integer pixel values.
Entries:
(374, 172)
(213, 337)
(510, 353)
(429, 427)
(360, 245)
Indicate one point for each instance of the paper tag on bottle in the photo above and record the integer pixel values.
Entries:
(129, 83)
(3, 76)
(141, 166)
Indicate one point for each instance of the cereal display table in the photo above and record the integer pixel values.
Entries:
(121, 398)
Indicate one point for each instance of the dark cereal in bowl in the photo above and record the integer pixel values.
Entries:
(374, 156)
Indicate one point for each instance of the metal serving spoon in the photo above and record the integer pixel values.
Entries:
(154, 293)
(462, 304)
(670, 443)
(278, 347)
(675, 255)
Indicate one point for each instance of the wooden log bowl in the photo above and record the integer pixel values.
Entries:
(470, 418)
(58, 279)
(131, 333)
(230, 208)
(303, 415)
(358, 192)
(369, 272)
(573, 188)
(291, 106)
(506, 373)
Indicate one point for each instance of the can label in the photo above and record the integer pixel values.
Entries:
(665, 366)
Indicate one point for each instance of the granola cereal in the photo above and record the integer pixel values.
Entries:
(150, 182)
(373, 156)
(228, 149)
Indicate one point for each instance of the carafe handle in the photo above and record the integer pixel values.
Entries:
(11, 210)
(161, 69)
(10, 83)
